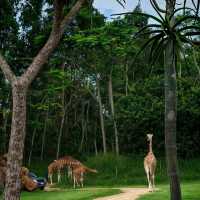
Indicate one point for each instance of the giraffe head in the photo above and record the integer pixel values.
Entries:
(149, 137)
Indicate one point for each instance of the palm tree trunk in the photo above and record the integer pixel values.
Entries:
(16, 144)
(170, 122)
(101, 117)
(171, 113)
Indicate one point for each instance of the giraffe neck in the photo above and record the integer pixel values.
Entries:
(150, 146)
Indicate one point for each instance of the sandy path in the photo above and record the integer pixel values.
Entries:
(127, 194)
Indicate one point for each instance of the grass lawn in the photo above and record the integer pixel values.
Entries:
(69, 194)
(190, 191)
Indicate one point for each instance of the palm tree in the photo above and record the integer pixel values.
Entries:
(167, 37)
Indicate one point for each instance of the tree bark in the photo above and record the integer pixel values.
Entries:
(110, 91)
(101, 117)
(171, 113)
(16, 144)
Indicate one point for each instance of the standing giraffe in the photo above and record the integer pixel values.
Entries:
(150, 164)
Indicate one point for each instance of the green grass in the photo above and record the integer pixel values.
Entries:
(190, 191)
(86, 194)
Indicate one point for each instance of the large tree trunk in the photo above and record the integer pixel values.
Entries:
(101, 117)
(110, 91)
(170, 122)
(16, 144)
(171, 113)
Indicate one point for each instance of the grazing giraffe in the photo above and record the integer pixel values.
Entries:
(61, 163)
(150, 164)
(78, 174)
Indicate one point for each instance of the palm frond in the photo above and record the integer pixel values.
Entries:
(121, 2)
(156, 37)
(195, 33)
(147, 27)
(179, 9)
(193, 27)
(158, 50)
(180, 21)
(152, 32)
(155, 8)
(142, 14)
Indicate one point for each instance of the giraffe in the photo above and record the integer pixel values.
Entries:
(60, 164)
(150, 164)
(78, 174)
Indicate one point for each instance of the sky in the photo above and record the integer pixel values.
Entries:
(108, 7)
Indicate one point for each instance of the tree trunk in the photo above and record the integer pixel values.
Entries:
(83, 128)
(171, 113)
(126, 79)
(16, 144)
(101, 118)
(32, 144)
(44, 135)
(63, 115)
(110, 91)
(170, 122)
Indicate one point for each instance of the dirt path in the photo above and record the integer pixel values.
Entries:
(127, 194)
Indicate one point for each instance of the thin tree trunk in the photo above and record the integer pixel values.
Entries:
(83, 135)
(95, 139)
(101, 117)
(63, 116)
(126, 79)
(60, 134)
(110, 91)
(16, 144)
(44, 134)
(32, 144)
(171, 113)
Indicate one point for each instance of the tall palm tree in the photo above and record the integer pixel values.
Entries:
(167, 36)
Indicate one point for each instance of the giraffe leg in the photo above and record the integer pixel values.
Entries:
(81, 180)
(50, 177)
(69, 172)
(153, 181)
(59, 176)
(74, 182)
(148, 176)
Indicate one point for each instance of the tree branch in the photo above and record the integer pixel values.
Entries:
(7, 70)
(157, 6)
(59, 24)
